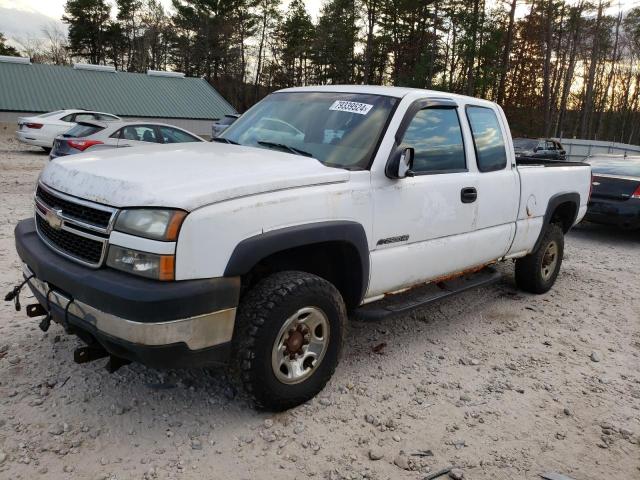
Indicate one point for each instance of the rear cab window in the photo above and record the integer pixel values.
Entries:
(488, 141)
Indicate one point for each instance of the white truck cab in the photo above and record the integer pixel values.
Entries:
(316, 202)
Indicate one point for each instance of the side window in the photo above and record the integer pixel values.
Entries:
(551, 145)
(491, 153)
(173, 135)
(116, 134)
(436, 137)
(68, 118)
(140, 133)
(104, 117)
(80, 117)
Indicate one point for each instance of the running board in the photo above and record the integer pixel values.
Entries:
(423, 295)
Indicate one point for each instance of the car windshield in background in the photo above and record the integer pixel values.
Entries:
(626, 167)
(82, 130)
(525, 143)
(338, 129)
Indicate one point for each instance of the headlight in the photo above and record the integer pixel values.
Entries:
(150, 265)
(155, 224)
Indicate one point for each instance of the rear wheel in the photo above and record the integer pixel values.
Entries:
(537, 272)
(289, 337)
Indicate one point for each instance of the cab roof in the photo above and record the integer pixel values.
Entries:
(398, 92)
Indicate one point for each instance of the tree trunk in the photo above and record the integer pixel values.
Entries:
(506, 53)
(593, 64)
(471, 58)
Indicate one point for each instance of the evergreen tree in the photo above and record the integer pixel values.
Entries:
(7, 49)
(89, 22)
(335, 42)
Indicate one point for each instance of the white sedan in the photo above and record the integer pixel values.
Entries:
(41, 130)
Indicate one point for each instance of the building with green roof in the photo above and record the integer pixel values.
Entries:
(168, 97)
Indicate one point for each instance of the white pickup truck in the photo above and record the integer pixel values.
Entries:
(318, 201)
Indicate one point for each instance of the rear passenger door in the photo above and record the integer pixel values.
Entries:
(498, 187)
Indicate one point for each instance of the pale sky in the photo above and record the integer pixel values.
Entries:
(21, 19)
(26, 18)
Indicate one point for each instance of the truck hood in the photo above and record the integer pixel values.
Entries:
(187, 176)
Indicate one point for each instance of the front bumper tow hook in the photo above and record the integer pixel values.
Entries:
(96, 352)
(89, 354)
(37, 310)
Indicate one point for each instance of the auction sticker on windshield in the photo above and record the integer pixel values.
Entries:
(352, 107)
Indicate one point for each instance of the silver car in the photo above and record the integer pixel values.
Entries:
(90, 135)
(221, 124)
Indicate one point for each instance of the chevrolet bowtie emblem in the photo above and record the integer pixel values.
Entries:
(54, 219)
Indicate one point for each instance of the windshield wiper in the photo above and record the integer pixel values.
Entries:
(224, 140)
(295, 150)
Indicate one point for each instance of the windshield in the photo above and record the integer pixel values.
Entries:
(338, 129)
(628, 167)
(525, 143)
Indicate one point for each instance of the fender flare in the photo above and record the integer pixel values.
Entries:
(252, 250)
(554, 201)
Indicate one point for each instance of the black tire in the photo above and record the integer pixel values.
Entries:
(261, 316)
(47, 150)
(531, 274)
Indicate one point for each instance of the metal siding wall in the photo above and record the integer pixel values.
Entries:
(578, 150)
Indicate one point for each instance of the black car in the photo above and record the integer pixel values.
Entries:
(615, 194)
(539, 148)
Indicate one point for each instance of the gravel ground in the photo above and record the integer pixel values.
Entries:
(498, 383)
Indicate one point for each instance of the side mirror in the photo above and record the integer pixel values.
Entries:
(401, 163)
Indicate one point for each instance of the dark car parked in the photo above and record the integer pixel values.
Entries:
(615, 195)
(539, 148)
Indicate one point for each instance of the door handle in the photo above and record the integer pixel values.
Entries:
(468, 195)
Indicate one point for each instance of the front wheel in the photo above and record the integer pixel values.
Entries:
(289, 337)
(537, 272)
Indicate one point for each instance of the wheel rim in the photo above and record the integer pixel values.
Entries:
(549, 260)
(300, 345)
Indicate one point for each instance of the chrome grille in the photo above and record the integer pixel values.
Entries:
(75, 228)
(83, 213)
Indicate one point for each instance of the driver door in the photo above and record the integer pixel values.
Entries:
(422, 222)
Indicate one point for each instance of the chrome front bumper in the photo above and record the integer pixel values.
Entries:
(199, 332)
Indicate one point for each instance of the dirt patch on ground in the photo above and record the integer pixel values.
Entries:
(502, 384)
